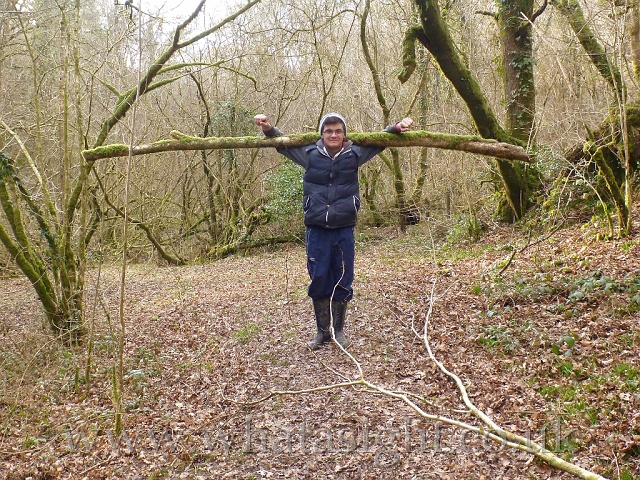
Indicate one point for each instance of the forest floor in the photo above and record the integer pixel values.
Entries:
(547, 345)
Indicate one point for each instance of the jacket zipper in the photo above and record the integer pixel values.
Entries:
(324, 152)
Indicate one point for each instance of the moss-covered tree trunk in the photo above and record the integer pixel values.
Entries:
(612, 148)
(634, 32)
(433, 33)
(423, 107)
(17, 242)
(369, 182)
(514, 23)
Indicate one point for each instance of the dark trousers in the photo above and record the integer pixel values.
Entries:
(330, 259)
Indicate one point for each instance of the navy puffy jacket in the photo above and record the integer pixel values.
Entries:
(331, 190)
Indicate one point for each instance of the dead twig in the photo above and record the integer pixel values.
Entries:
(529, 244)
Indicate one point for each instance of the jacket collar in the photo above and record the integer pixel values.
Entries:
(346, 147)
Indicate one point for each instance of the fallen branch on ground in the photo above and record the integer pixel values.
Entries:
(489, 429)
(506, 437)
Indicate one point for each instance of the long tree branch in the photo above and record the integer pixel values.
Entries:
(386, 111)
(572, 12)
(509, 438)
(418, 138)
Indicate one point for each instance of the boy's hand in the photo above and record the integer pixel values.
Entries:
(262, 121)
(404, 125)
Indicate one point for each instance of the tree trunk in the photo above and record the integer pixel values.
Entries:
(634, 32)
(418, 188)
(514, 22)
(434, 35)
(617, 163)
(369, 181)
(395, 163)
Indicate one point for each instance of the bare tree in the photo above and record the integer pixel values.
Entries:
(51, 255)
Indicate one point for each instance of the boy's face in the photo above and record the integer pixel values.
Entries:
(333, 135)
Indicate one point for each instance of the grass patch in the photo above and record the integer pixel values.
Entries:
(247, 332)
(571, 296)
(573, 393)
(627, 376)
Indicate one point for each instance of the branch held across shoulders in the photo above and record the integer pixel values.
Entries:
(262, 121)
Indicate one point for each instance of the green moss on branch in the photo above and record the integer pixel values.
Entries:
(419, 138)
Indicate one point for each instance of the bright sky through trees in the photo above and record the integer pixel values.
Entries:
(178, 10)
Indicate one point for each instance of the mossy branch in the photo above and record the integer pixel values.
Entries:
(409, 53)
(19, 249)
(418, 138)
(580, 25)
(612, 185)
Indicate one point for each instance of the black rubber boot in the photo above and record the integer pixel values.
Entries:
(321, 307)
(339, 309)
